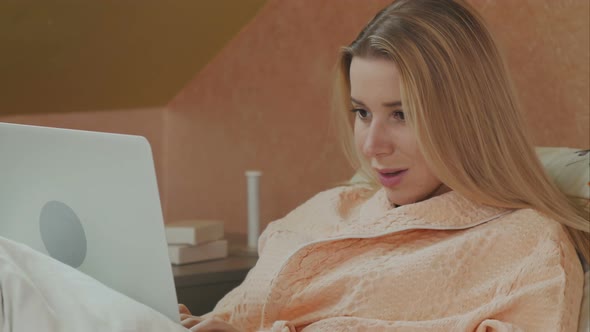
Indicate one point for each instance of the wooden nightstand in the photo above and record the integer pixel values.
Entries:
(200, 286)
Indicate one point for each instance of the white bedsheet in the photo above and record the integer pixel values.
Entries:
(39, 293)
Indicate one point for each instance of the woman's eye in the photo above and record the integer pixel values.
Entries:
(361, 113)
(399, 115)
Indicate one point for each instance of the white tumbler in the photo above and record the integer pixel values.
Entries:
(253, 178)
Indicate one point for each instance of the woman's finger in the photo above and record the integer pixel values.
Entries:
(185, 316)
(213, 324)
(190, 321)
(183, 309)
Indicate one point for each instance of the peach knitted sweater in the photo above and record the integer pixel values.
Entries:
(341, 262)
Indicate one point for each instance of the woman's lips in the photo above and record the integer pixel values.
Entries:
(391, 178)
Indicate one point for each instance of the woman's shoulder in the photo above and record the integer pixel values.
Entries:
(335, 201)
(532, 228)
(533, 222)
(526, 223)
(325, 206)
(349, 193)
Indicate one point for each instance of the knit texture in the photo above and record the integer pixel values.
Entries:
(341, 262)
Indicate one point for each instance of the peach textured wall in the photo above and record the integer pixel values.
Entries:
(263, 102)
(546, 44)
(144, 122)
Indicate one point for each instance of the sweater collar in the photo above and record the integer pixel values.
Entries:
(447, 211)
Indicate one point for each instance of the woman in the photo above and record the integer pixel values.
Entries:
(457, 229)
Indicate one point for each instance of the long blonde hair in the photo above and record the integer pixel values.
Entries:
(459, 100)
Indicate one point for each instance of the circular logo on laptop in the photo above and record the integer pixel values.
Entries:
(62, 233)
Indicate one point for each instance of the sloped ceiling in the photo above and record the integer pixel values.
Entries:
(69, 55)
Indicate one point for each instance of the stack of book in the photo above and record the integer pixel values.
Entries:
(192, 241)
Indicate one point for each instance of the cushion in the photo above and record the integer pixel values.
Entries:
(569, 169)
(39, 293)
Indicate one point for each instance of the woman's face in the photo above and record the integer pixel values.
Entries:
(382, 136)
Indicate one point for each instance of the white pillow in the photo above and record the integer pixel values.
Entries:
(38, 293)
(570, 171)
(569, 168)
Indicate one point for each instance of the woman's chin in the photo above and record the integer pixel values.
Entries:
(399, 196)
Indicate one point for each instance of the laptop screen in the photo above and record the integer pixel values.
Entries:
(91, 201)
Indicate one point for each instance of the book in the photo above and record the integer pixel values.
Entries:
(184, 254)
(193, 232)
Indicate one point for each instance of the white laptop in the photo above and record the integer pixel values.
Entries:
(91, 201)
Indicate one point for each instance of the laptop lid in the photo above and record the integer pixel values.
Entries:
(90, 200)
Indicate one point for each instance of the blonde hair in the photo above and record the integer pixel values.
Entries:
(458, 98)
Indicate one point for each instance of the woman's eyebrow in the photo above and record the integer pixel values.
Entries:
(396, 103)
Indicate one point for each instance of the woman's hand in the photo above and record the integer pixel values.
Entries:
(198, 324)
(213, 325)
(186, 318)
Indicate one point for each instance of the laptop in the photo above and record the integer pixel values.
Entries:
(90, 200)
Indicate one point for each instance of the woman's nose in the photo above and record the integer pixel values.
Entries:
(378, 141)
